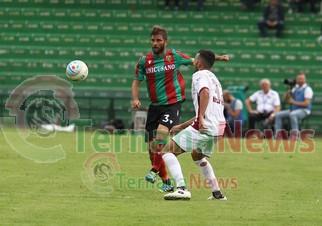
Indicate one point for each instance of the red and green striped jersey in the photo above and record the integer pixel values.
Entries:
(165, 82)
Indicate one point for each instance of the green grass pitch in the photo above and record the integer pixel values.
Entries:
(263, 188)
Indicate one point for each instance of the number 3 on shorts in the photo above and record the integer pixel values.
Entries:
(166, 119)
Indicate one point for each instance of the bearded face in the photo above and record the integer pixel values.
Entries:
(158, 44)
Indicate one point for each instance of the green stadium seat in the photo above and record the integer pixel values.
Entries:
(17, 26)
(318, 58)
(31, 26)
(83, 2)
(63, 27)
(89, 14)
(221, 43)
(75, 14)
(53, 39)
(291, 58)
(99, 40)
(39, 39)
(310, 45)
(28, 13)
(45, 14)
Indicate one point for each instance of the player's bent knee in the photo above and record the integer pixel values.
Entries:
(172, 147)
(157, 145)
(162, 132)
(166, 149)
(196, 155)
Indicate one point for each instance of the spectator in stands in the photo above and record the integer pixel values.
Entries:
(268, 104)
(273, 18)
(233, 109)
(199, 4)
(249, 4)
(299, 99)
(299, 5)
(176, 4)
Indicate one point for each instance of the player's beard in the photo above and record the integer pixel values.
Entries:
(158, 50)
(196, 68)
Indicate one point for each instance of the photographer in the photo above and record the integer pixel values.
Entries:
(299, 99)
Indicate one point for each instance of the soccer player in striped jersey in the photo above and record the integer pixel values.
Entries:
(166, 89)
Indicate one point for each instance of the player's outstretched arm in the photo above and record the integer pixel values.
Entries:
(181, 126)
(222, 58)
(136, 104)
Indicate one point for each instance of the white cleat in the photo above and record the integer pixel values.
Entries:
(178, 194)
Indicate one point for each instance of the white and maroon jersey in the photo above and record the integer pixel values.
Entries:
(214, 119)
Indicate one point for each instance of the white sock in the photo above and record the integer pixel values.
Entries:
(69, 128)
(48, 127)
(208, 173)
(174, 168)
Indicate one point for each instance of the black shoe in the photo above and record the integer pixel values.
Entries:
(217, 195)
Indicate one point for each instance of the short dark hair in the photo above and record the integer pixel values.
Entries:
(208, 57)
(158, 30)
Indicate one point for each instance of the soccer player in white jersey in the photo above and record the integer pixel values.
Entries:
(198, 135)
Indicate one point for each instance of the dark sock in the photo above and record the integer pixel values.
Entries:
(163, 171)
(167, 181)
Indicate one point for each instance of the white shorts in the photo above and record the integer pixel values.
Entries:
(191, 139)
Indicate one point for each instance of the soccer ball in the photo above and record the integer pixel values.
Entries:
(77, 70)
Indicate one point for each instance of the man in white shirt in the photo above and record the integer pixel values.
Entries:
(300, 104)
(267, 104)
(198, 134)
